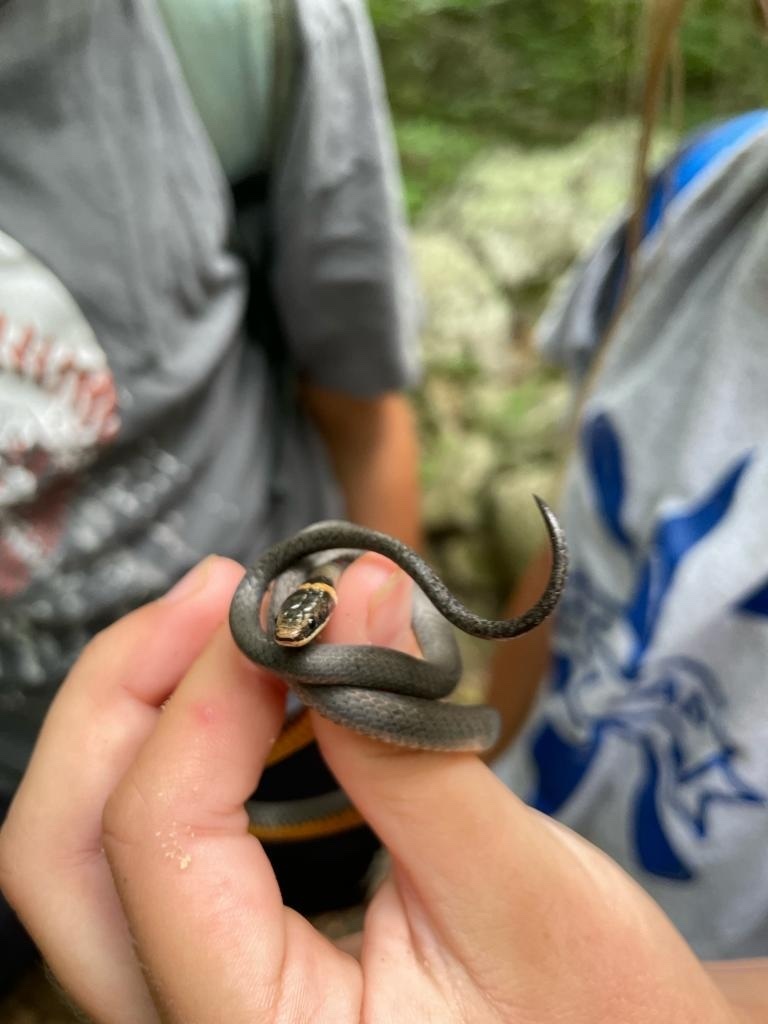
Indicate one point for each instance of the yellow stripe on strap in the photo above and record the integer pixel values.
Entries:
(297, 735)
(341, 821)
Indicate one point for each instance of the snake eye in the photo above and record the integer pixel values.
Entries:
(304, 614)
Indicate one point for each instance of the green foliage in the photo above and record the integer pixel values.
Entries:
(430, 153)
(724, 52)
(538, 71)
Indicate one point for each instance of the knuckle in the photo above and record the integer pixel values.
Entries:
(118, 641)
(100, 646)
(107, 647)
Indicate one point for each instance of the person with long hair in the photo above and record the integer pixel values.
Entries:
(649, 737)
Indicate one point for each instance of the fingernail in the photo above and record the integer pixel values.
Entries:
(389, 610)
(190, 584)
(384, 589)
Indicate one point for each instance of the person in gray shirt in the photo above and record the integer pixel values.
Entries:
(144, 420)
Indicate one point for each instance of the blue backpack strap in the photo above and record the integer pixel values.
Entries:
(694, 157)
(671, 182)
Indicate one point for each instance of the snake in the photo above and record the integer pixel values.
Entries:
(384, 694)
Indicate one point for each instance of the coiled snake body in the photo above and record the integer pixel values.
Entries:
(379, 692)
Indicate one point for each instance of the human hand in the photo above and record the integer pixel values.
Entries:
(127, 854)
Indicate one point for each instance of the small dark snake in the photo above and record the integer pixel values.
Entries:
(379, 692)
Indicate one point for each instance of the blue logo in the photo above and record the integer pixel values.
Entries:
(608, 682)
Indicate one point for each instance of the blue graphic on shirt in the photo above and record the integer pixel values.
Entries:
(757, 601)
(607, 682)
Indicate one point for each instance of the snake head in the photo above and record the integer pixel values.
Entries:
(305, 613)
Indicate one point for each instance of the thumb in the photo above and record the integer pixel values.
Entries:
(430, 809)
(511, 893)
(506, 888)
(374, 606)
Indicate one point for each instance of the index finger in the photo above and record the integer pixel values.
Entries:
(198, 889)
(51, 857)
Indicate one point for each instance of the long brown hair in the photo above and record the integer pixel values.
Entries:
(662, 20)
(661, 31)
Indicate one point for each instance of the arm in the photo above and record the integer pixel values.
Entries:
(373, 447)
(518, 668)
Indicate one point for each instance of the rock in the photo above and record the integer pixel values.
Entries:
(527, 421)
(468, 326)
(466, 564)
(526, 214)
(444, 404)
(516, 523)
(456, 471)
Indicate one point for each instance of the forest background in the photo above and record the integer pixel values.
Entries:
(464, 74)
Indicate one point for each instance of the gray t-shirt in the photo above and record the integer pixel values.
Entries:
(651, 738)
(139, 427)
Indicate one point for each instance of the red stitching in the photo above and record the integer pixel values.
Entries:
(89, 393)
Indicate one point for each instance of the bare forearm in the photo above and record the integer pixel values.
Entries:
(374, 450)
(518, 666)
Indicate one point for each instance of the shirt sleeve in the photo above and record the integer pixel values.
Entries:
(583, 308)
(580, 311)
(342, 275)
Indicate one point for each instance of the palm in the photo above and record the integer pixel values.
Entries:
(406, 971)
(411, 972)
